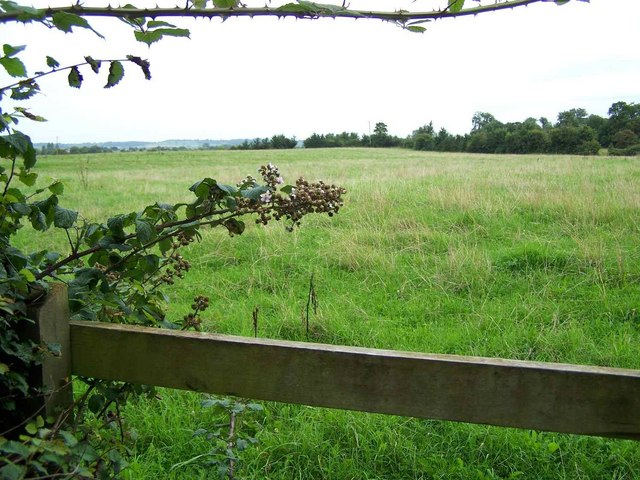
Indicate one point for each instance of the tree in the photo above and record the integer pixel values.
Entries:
(624, 139)
(480, 120)
(572, 118)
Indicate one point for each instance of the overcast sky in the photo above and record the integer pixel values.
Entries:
(255, 78)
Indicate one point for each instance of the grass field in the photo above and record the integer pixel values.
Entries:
(525, 257)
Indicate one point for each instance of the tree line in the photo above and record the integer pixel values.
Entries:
(574, 132)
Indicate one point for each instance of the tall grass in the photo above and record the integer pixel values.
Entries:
(526, 257)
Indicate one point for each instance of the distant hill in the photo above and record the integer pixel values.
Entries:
(190, 144)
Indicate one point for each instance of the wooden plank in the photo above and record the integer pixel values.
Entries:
(552, 397)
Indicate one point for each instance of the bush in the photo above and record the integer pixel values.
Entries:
(625, 152)
(624, 138)
(590, 147)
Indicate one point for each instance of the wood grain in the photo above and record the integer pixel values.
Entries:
(553, 397)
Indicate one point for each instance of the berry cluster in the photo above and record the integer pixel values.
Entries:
(192, 319)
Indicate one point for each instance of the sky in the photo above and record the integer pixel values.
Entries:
(255, 78)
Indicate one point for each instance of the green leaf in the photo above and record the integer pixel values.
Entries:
(14, 66)
(148, 37)
(157, 23)
(27, 275)
(29, 179)
(143, 64)
(152, 36)
(57, 188)
(11, 471)
(225, 3)
(144, 231)
(95, 403)
(38, 220)
(116, 72)
(234, 226)
(165, 245)
(4, 368)
(199, 3)
(255, 192)
(75, 79)
(456, 5)
(94, 64)
(52, 62)
(66, 21)
(15, 448)
(64, 218)
(18, 144)
(10, 50)
(416, 29)
(31, 428)
(25, 90)
(231, 190)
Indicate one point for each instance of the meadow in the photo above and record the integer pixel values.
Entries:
(532, 257)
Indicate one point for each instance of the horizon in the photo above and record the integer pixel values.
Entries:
(247, 78)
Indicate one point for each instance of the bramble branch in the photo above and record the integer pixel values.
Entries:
(307, 10)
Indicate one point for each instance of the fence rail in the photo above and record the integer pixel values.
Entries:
(543, 396)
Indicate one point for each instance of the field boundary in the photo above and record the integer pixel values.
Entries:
(553, 397)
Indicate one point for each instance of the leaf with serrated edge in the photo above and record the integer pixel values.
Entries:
(456, 5)
(66, 21)
(116, 72)
(94, 64)
(52, 62)
(14, 66)
(75, 78)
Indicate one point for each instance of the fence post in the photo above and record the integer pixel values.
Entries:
(53, 376)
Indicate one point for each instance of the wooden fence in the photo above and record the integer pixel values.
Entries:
(543, 396)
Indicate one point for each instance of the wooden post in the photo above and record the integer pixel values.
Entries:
(54, 375)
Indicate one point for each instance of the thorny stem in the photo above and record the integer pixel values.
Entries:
(401, 16)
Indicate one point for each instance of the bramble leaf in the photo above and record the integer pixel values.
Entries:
(225, 3)
(57, 188)
(456, 5)
(116, 72)
(29, 179)
(66, 21)
(14, 66)
(25, 90)
(144, 231)
(75, 78)
(158, 23)
(143, 64)
(152, 36)
(63, 217)
(10, 50)
(52, 62)
(94, 64)
(18, 144)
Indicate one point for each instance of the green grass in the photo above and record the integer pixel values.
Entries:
(525, 257)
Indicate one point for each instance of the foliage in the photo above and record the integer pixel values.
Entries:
(115, 270)
(228, 439)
